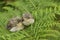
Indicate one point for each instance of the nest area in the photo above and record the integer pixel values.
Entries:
(45, 12)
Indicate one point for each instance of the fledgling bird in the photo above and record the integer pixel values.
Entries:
(28, 19)
(18, 27)
(15, 24)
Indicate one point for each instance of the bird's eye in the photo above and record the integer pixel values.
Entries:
(9, 27)
(28, 17)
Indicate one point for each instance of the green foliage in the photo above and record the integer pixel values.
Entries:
(46, 26)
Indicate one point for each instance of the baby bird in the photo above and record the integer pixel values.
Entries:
(18, 27)
(15, 24)
(28, 19)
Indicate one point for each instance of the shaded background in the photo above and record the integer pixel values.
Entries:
(46, 14)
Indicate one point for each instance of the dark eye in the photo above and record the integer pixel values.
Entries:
(21, 20)
(9, 27)
(28, 17)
